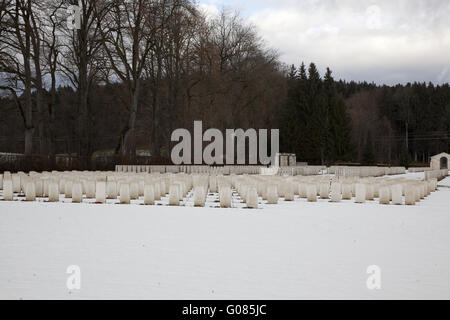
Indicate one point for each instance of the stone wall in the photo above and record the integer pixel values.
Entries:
(436, 161)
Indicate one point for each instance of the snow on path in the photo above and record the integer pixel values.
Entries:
(445, 182)
(295, 250)
(408, 175)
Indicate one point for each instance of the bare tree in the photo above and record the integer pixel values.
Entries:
(145, 63)
(36, 17)
(16, 60)
(81, 63)
(169, 65)
(25, 65)
(128, 31)
(52, 21)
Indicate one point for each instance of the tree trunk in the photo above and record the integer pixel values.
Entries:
(29, 129)
(155, 148)
(28, 141)
(42, 117)
(28, 112)
(129, 138)
(26, 54)
(154, 138)
(84, 116)
(51, 115)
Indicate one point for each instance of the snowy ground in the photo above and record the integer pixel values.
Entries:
(293, 250)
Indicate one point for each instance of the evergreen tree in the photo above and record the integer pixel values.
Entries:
(288, 137)
(315, 113)
(316, 125)
(405, 159)
(301, 115)
(329, 93)
(302, 72)
(368, 156)
(339, 146)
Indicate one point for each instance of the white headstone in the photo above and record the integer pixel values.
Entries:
(30, 191)
(410, 195)
(53, 192)
(384, 195)
(360, 193)
(111, 189)
(62, 186)
(124, 193)
(225, 196)
(39, 185)
(336, 195)
(8, 194)
(324, 190)
(77, 192)
(396, 191)
(89, 186)
(199, 196)
(174, 195)
(134, 190)
(15, 177)
(369, 191)
(157, 191)
(213, 183)
(149, 194)
(252, 198)
(346, 191)
(272, 194)
(302, 190)
(100, 192)
(289, 192)
(311, 192)
(68, 188)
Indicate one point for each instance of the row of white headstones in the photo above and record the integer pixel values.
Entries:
(253, 190)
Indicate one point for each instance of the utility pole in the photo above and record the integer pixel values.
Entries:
(407, 146)
(406, 125)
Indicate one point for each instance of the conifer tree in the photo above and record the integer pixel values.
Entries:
(315, 123)
(339, 146)
(288, 137)
(316, 106)
(368, 156)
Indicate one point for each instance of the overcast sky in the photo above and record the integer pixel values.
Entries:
(384, 41)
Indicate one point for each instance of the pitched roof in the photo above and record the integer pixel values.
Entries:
(440, 155)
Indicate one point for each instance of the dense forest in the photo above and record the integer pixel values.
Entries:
(327, 121)
(128, 73)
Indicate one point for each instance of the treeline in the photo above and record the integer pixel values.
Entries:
(134, 71)
(402, 124)
(131, 72)
(315, 123)
(326, 121)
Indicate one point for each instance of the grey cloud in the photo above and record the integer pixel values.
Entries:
(381, 41)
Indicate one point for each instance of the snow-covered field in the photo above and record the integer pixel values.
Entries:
(293, 250)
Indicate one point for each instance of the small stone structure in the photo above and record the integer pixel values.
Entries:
(285, 160)
(440, 161)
